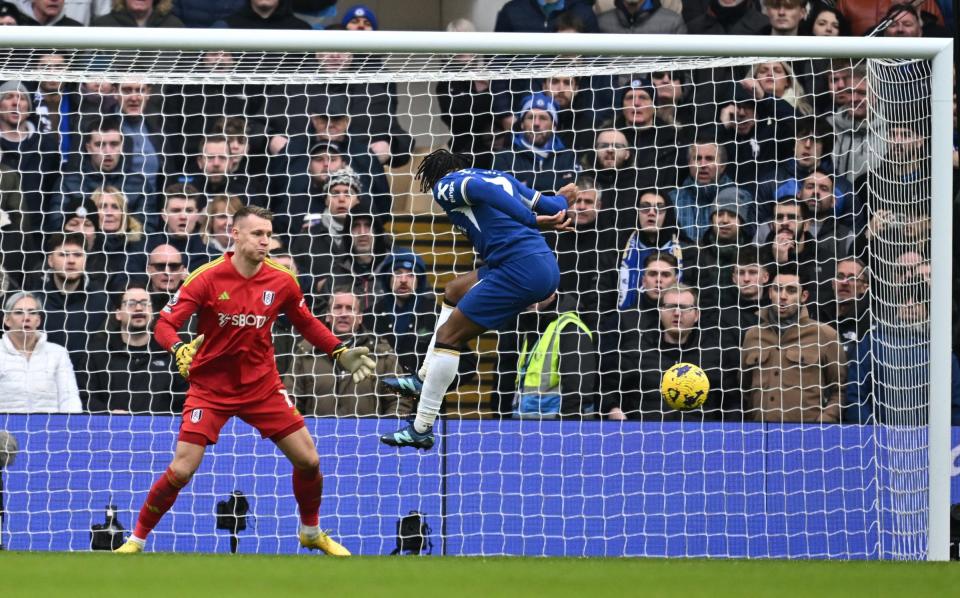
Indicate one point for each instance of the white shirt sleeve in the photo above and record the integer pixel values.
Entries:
(68, 395)
(101, 7)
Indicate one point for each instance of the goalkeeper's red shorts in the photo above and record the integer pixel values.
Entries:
(273, 415)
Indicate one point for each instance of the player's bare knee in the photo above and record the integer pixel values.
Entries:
(458, 287)
(304, 457)
(452, 294)
(183, 470)
(308, 462)
(447, 335)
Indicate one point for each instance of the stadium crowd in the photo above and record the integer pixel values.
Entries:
(769, 223)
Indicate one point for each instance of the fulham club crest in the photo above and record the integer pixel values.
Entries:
(195, 415)
(268, 297)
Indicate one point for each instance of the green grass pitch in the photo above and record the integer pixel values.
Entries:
(212, 576)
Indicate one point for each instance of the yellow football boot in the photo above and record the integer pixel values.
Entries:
(129, 547)
(323, 542)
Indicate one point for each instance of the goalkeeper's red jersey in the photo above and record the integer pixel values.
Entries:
(236, 316)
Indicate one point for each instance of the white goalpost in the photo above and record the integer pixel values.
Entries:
(867, 480)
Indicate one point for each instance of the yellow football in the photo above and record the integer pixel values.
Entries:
(684, 386)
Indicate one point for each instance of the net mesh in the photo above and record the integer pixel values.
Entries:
(221, 66)
(757, 184)
(899, 184)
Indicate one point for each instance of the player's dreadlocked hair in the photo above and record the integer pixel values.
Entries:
(437, 164)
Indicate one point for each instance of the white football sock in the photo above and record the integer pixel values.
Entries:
(445, 311)
(138, 541)
(443, 369)
(310, 531)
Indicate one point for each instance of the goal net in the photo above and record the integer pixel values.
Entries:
(767, 219)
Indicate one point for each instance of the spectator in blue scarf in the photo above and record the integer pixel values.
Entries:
(656, 231)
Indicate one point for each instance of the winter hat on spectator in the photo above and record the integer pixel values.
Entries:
(404, 262)
(81, 207)
(539, 101)
(324, 105)
(8, 9)
(641, 84)
(360, 11)
(788, 190)
(735, 201)
(344, 176)
(12, 86)
(325, 147)
(637, 84)
(402, 258)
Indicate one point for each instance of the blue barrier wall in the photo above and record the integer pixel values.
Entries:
(530, 488)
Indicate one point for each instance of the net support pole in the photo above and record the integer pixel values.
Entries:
(941, 214)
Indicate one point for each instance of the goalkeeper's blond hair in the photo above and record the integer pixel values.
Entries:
(257, 211)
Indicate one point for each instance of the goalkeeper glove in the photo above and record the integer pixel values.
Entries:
(185, 352)
(355, 361)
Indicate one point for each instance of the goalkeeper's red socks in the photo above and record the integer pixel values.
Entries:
(308, 490)
(162, 495)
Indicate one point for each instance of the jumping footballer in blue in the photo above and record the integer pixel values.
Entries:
(502, 218)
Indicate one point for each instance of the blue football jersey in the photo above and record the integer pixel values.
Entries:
(496, 211)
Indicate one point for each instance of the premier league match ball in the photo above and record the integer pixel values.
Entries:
(684, 386)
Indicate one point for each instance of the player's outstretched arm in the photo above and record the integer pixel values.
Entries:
(355, 360)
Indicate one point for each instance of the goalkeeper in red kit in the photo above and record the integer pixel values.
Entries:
(232, 371)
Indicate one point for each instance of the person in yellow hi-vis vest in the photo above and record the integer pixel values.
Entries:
(557, 369)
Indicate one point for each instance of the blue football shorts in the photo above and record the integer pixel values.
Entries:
(509, 288)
